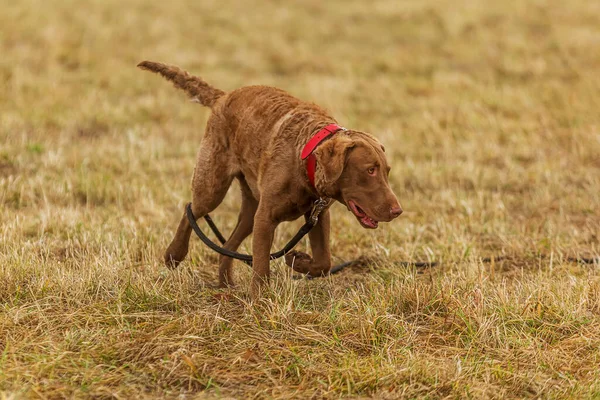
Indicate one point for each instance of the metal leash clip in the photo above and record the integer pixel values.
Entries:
(318, 207)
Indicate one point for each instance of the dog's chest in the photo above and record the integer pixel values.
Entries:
(293, 209)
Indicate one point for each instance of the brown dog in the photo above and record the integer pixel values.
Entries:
(256, 134)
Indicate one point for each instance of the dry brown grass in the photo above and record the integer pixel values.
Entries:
(489, 111)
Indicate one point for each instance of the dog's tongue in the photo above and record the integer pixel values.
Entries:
(362, 216)
(371, 223)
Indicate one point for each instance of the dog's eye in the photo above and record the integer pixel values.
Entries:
(371, 171)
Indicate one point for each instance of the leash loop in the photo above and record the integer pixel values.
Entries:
(318, 207)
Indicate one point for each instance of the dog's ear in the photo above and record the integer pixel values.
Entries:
(331, 158)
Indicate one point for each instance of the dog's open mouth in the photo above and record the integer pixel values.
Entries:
(362, 216)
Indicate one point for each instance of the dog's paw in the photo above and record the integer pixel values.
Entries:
(298, 261)
(304, 264)
(174, 256)
(171, 262)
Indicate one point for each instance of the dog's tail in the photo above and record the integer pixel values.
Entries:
(195, 87)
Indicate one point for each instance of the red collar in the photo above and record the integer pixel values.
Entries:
(307, 152)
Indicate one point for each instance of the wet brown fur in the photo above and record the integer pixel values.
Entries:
(255, 134)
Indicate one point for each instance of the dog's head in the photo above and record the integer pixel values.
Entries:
(352, 168)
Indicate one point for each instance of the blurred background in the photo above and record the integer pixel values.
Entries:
(489, 112)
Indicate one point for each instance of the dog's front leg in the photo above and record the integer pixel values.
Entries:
(320, 262)
(264, 230)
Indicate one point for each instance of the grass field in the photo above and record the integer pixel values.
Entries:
(490, 114)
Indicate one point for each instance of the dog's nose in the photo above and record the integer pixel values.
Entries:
(396, 211)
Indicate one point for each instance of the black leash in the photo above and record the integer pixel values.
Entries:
(234, 254)
(318, 207)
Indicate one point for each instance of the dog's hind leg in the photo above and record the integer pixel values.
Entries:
(242, 230)
(209, 186)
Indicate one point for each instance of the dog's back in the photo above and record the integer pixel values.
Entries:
(251, 125)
